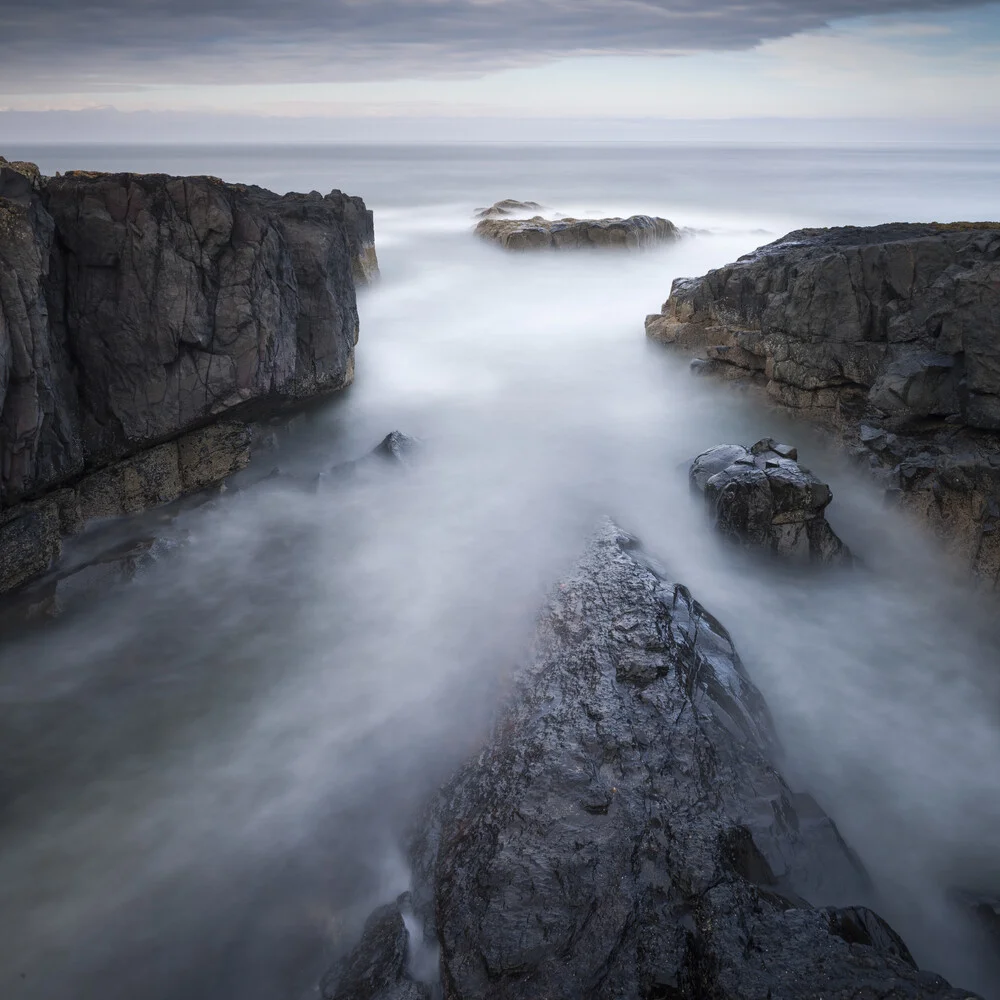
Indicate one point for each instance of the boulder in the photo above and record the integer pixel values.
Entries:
(379, 968)
(625, 833)
(139, 310)
(507, 208)
(889, 336)
(763, 499)
(636, 232)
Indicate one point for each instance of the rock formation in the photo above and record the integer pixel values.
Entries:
(507, 208)
(624, 832)
(891, 336)
(760, 497)
(634, 233)
(139, 311)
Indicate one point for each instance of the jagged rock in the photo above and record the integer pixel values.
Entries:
(378, 968)
(624, 832)
(888, 335)
(633, 233)
(508, 207)
(762, 498)
(136, 309)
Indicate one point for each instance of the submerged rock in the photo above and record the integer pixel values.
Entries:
(624, 831)
(137, 311)
(762, 498)
(633, 233)
(890, 336)
(508, 207)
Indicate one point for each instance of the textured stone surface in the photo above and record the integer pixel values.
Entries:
(624, 832)
(537, 233)
(890, 335)
(760, 497)
(136, 309)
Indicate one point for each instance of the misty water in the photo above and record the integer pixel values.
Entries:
(208, 776)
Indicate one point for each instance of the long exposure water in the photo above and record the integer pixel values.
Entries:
(207, 776)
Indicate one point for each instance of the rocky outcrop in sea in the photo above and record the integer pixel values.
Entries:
(890, 335)
(761, 498)
(536, 233)
(145, 320)
(624, 831)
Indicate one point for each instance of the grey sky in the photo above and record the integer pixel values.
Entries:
(59, 45)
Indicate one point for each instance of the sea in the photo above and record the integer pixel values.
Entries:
(208, 776)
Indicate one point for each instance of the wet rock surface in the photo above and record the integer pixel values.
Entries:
(137, 311)
(633, 233)
(624, 831)
(890, 335)
(760, 497)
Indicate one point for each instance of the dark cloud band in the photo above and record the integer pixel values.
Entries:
(81, 45)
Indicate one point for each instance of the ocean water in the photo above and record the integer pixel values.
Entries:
(207, 777)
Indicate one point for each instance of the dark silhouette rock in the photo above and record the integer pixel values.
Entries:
(624, 831)
(888, 335)
(763, 499)
(137, 311)
(634, 233)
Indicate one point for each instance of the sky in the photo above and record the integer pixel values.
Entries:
(875, 61)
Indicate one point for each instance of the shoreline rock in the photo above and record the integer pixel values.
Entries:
(635, 233)
(624, 831)
(889, 336)
(145, 321)
(761, 498)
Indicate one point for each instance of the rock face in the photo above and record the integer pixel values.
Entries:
(624, 832)
(891, 336)
(633, 233)
(760, 497)
(137, 309)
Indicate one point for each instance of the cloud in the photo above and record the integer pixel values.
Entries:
(84, 46)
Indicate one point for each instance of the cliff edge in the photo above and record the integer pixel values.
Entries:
(143, 320)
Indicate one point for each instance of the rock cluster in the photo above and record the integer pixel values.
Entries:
(891, 336)
(624, 831)
(137, 311)
(634, 233)
(762, 498)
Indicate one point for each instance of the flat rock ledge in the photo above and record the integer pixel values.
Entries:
(625, 833)
(761, 498)
(887, 335)
(635, 233)
(145, 321)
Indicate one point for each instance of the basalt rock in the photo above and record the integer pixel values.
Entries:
(624, 831)
(761, 498)
(634, 233)
(136, 312)
(889, 335)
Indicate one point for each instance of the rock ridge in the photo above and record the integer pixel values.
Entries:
(889, 336)
(625, 833)
(137, 311)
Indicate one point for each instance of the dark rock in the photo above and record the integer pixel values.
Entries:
(762, 498)
(137, 309)
(888, 332)
(397, 446)
(377, 969)
(633, 233)
(396, 449)
(624, 832)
